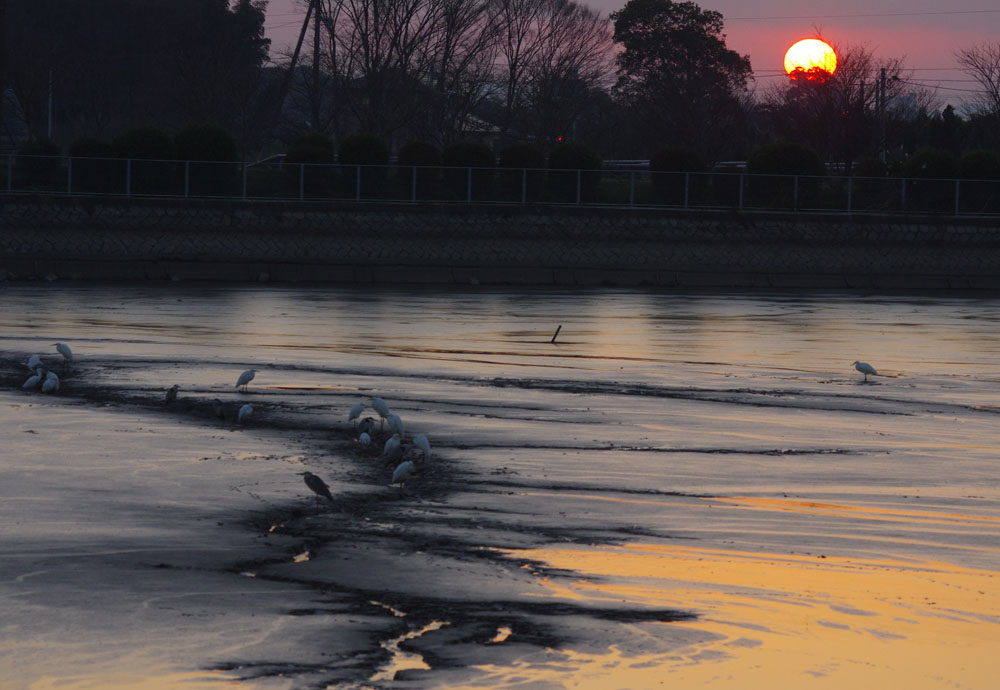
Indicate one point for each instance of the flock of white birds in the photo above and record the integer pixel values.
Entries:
(396, 449)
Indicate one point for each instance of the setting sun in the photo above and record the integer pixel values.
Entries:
(810, 59)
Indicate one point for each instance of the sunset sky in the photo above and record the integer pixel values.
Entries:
(925, 32)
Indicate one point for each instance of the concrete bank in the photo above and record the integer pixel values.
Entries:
(135, 240)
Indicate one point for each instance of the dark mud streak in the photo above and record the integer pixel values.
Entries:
(359, 516)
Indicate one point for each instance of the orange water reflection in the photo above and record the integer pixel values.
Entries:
(780, 620)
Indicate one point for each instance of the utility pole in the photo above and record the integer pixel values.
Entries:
(881, 115)
(315, 71)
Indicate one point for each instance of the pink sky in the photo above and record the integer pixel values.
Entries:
(925, 32)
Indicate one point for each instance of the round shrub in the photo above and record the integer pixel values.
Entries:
(419, 162)
(669, 179)
(363, 149)
(149, 143)
(869, 166)
(469, 154)
(529, 179)
(309, 166)
(931, 163)
(785, 158)
(91, 171)
(205, 143)
(981, 164)
(37, 166)
(564, 160)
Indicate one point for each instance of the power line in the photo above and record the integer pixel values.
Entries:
(849, 16)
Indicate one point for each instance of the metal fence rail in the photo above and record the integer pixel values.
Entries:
(628, 188)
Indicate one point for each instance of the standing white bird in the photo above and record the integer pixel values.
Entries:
(65, 351)
(34, 362)
(356, 410)
(380, 406)
(396, 424)
(172, 393)
(33, 381)
(865, 368)
(244, 413)
(393, 448)
(245, 378)
(51, 383)
(364, 439)
(421, 442)
(402, 472)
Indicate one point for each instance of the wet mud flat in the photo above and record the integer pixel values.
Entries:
(685, 489)
(391, 581)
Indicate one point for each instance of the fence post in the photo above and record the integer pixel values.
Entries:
(468, 185)
(902, 198)
(741, 192)
(128, 177)
(687, 187)
(357, 182)
(244, 180)
(414, 183)
(957, 206)
(524, 186)
(579, 175)
(795, 194)
(187, 178)
(850, 189)
(631, 188)
(302, 181)
(10, 171)
(69, 175)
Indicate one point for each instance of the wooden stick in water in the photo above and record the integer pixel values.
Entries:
(556, 334)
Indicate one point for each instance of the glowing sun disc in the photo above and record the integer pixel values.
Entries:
(811, 59)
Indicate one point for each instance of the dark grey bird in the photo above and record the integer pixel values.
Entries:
(318, 486)
(366, 425)
(172, 393)
(217, 409)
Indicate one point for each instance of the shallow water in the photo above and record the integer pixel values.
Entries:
(709, 457)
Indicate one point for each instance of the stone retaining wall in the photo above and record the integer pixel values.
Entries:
(70, 238)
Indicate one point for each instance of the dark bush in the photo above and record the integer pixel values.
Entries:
(469, 154)
(37, 166)
(933, 191)
(770, 163)
(982, 192)
(872, 190)
(671, 174)
(152, 152)
(565, 182)
(94, 169)
(309, 166)
(212, 151)
(419, 162)
(369, 152)
(527, 178)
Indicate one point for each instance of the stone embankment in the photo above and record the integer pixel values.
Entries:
(72, 238)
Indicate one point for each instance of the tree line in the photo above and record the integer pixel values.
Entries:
(655, 77)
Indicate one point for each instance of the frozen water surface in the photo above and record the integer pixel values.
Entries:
(689, 489)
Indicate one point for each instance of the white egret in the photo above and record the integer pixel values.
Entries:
(421, 442)
(318, 486)
(380, 406)
(356, 410)
(33, 381)
(245, 378)
(402, 472)
(51, 383)
(172, 393)
(364, 439)
(865, 368)
(244, 413)
(34, 362)
(65, 351)
(396, 424)
(393, 448)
